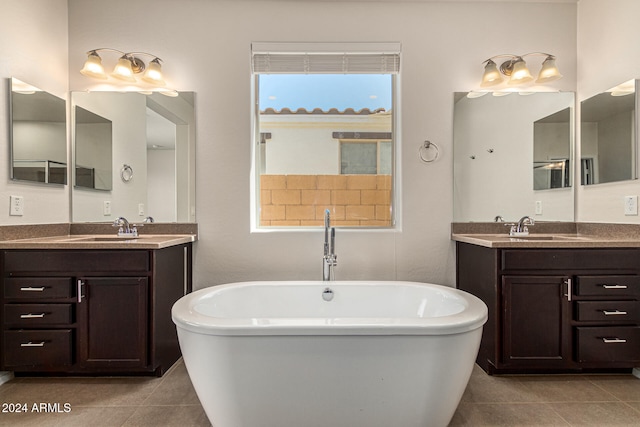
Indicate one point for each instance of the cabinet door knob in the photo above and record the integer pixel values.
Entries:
(614, 340)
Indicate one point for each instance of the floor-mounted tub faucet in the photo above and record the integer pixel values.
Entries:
(330, 259)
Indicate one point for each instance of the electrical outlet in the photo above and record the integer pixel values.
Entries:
(631, 205)
(141, 209)
(106, 208)
(538, 207)
(16, 205)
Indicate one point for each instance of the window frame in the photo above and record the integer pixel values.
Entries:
(395, 193)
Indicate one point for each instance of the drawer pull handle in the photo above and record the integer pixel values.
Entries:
(32, 344)
(33, 289)
(613, 341)
(614, 313)
(614, 286)
(32, 316)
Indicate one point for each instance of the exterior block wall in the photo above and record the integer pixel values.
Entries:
(301, 200)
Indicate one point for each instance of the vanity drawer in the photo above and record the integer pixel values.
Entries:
(38, 288)
(608, 311)
(608, 344)
(37, 315)
(570, 259)
(95, 261)
(611, 286)
(37, 348)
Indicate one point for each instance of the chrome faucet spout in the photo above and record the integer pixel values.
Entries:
(523, 222)
(329, 259)
(125, 229)
(521, 228)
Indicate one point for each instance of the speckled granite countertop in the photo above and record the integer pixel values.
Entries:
(94, 236)
(549, 235)
(99, 241)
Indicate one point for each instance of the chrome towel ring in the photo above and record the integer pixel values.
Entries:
(428, 152)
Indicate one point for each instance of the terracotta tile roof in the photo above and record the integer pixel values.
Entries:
(319, 111)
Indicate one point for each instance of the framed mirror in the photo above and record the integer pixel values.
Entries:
(151, 134)
(513, 155)
(608, 136)
(38, 135)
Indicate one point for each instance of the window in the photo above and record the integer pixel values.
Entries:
(324, 134)
(365, 157)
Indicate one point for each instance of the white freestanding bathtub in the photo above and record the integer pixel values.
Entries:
(374, 354)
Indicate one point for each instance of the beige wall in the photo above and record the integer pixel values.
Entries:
(34, 49)
(206, 48)
(608, 34)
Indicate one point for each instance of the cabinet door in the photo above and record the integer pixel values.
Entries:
(113, 322)
(536, 321)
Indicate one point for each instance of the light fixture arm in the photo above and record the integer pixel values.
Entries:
(513, 56)
(137, 65)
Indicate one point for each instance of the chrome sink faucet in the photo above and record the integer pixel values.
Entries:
(330, 259)
(124, 228)
(521, 227)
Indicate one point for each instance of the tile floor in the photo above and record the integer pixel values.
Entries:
(565, 400)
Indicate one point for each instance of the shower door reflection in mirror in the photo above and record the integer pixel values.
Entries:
(38, 135)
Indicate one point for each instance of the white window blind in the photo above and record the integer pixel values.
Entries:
(329, 58)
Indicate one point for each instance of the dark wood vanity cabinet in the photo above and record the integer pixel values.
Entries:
(536, 321)
(555, 309)
(91, 311)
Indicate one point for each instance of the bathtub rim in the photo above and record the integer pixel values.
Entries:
(187, 318)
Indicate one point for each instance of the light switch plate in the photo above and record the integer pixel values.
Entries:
(538, 207)
(16, 206)
(141, 209)
(106, 208)
(631, 205)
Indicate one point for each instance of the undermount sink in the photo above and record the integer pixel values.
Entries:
(109, 239)
(540, 237)
(530, 237)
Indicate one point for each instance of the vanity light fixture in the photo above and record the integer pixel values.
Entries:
(128, 67)
(623, 89)
(515, 68)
